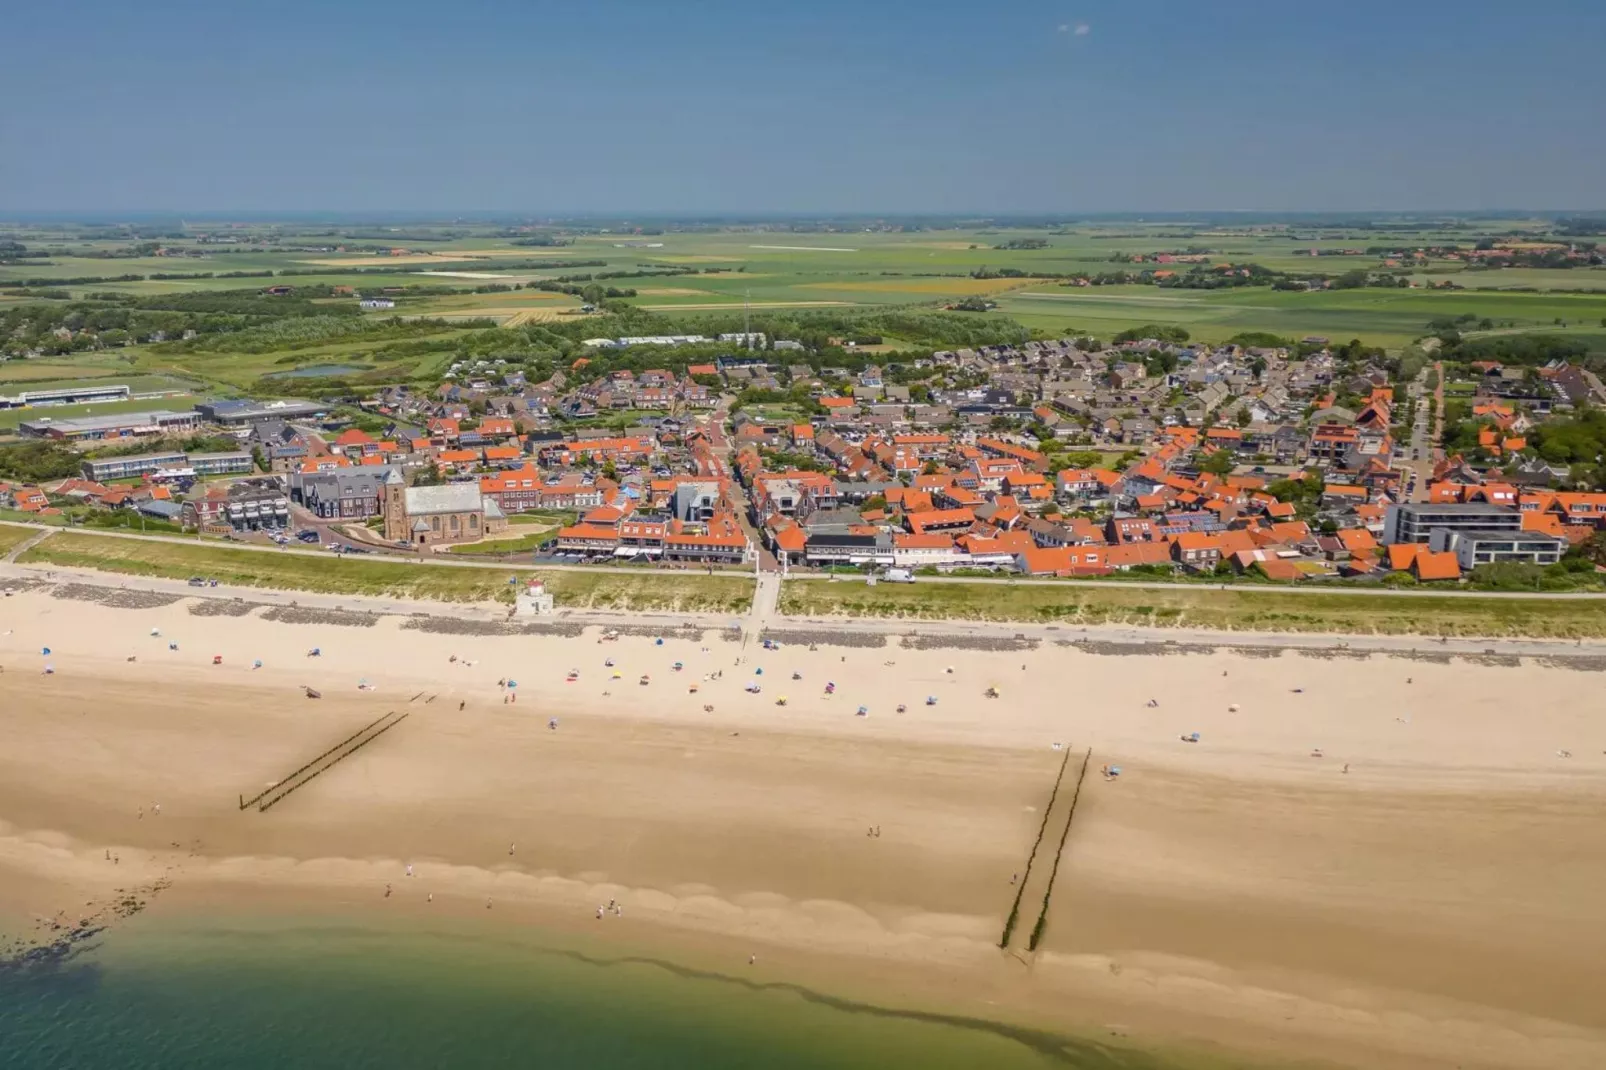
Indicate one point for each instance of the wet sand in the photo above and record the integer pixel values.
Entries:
(1437, 905)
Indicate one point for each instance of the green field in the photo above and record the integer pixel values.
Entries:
(776, 270)
(329, 574)
(1376, 316)
(1073, 605)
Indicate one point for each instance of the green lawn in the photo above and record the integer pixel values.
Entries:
(638, 590)
(1071, 605)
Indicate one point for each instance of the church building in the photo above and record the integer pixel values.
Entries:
(426, 516)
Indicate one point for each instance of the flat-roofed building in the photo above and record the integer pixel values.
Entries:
(1416, 522)
(107, 468)
(242, 412)
(1473, 548)
(231, 463)
(122, 425)
(81, 394)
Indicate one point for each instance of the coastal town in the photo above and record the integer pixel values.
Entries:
(1306, 463)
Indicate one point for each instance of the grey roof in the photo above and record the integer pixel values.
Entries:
(450, 498)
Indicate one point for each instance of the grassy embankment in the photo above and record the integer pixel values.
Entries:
(390, 578)
(1071, 604)
(13, 536)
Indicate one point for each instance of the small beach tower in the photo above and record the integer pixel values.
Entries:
(533, 601)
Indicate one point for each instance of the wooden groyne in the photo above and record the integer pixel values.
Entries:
(1053, 872)
(359, 739)
(1031, 859)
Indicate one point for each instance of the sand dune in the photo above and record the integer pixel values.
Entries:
(1436, 905)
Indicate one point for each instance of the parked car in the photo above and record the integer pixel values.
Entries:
(308, 536)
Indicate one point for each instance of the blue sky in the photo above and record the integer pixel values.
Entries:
(876, 106)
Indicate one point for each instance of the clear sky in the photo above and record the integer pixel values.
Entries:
(733, 106)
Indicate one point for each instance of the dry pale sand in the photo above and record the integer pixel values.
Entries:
(1437, 905)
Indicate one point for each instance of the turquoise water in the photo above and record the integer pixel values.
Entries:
(263, 995)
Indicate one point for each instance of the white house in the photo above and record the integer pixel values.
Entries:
(377, 302)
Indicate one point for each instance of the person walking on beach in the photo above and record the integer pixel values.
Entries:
(409, 869)
(510, 850)
(157, 809)
(430, 898)
(387, 891)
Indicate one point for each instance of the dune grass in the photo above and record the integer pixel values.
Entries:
(1071, 604)
(13, 536)
(381, 577)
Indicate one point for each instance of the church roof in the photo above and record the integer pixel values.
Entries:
(449, 498)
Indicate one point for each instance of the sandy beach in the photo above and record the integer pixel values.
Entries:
(1437, 904)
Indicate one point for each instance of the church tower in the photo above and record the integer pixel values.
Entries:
(395, 506)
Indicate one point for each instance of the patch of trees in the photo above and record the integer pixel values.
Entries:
(1526, 349)
(1023, 243)
(78, 280)
(1159, 332)
(237, 303)
(1580, 440)
(1581, 226)
(1260, 340)
(34, 462)
(303, 332)
(1201, 277)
